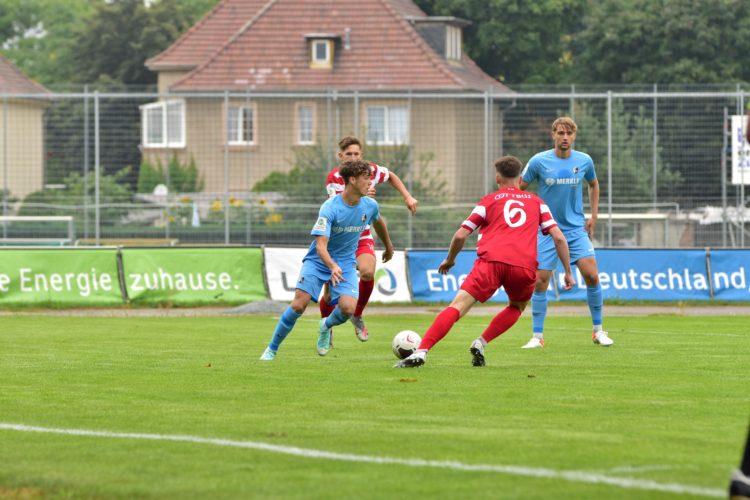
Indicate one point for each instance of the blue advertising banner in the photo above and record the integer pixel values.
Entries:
(633, 274)
(729, 274)
(641, 274)
(428, 285)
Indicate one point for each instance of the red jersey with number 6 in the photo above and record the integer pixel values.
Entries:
(508, 222)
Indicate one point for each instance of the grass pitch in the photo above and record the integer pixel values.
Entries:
(665, 408)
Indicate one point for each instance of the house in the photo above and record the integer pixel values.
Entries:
(255, 81)
(21, 131)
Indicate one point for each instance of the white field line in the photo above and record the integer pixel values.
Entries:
(576, 476)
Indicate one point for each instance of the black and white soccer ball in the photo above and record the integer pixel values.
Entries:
(405, 343)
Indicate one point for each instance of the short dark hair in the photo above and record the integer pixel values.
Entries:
(348, 141)
(354, 168)
(509, 166)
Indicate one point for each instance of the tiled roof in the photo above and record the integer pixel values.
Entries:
(12, 80)
(262, 46)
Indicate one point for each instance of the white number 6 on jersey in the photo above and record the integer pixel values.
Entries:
(510, 212)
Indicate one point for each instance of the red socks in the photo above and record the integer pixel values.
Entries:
(440, 327)
(365, 290)
(325, 308)
(501, 322)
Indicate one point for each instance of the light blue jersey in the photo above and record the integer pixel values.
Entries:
(342, 224)
(561, 186)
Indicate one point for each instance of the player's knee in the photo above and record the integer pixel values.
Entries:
(519, 305)
(591, 279)
(347, 308)
(298, 307)
(367, 275)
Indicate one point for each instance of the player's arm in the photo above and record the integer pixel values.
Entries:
(321, 247)
(411, 202)
(594, 202)
(457, 244)
(382, 231)
(523, 185)
(561, 245)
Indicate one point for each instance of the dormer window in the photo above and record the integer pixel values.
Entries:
(321, 46)
(453, 43)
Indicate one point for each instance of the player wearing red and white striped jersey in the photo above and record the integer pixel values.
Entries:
(350, 148)
(508, 221)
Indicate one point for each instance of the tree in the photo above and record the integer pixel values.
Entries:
(665, 41)
(518, 42)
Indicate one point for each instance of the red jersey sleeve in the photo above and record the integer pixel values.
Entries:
(334, 183)
(546, 221)
(477, 218)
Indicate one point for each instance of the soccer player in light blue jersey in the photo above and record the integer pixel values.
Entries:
(331, 258)
(561, 173)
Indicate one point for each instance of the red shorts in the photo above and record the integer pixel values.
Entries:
(365, 247)
(486, 277)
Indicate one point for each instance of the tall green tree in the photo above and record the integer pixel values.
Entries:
(516, 41)
(665, 41)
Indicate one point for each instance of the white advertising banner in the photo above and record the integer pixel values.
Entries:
(283, 266)
(740, 152)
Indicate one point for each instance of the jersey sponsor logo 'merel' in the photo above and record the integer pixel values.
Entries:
(551, 181)
(347, 229)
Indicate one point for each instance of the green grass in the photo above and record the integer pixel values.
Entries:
(668, 400)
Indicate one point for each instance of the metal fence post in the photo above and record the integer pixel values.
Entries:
(486, 142)
(609, 167)
(97, 172)
(654, 151)
(724, 148)
(86, 161)
(248, 159)
(5, 164)
(226, 169)
(410, 174)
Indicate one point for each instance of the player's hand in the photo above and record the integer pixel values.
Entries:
(411, 204)
(388, 254)
(371, 192)
(337, 275)
(591, 228)
(569, 282)
(445, 266)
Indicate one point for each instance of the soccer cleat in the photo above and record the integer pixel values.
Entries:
(359, 328)
(477, 351)
(324, 338)
(534, 343)
(739, 486)
(414, 361)
(602, 338)
(268, 355)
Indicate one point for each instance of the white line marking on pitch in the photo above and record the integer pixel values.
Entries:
(576, 476)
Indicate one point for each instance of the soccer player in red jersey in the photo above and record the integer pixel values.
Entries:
(508, 221)
(350, 149)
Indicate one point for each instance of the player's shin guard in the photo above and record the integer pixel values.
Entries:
(501, 323)
(594, 298)
(538, 311)
(337, 317)
(440, 327)
(365, 290)
(325, 308)
(283, 327)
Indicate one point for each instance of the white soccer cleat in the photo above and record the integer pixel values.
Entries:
(414, 361)
(534, 343)
(477, 353)
(602, 338)
(268, 355)
(359, 328)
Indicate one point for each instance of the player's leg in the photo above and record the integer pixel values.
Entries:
(519, 284)
(547, 258)
(344, 295)
(366, 265)
(588, 269)
(287, 320)
(325, 306)
(739, 485)
(439, 328)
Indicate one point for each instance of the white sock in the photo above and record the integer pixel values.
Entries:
(597, 328)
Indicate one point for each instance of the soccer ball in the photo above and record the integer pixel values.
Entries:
(405, 343)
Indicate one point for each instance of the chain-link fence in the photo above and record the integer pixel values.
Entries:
(249, 168)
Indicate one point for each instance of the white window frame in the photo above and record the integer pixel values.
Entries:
(316, 62)
(239, 140)
(165, 108)
(313, 124)
(388, 140)
(453, 43)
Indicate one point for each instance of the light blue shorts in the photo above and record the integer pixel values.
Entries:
(312, 278)
(579, 244)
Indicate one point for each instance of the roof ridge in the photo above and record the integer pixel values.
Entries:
(185, 35)
(229, 42)
(23, 75)
(427, 50)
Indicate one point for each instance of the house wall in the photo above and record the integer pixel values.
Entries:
(167, 78)
(21, 147)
